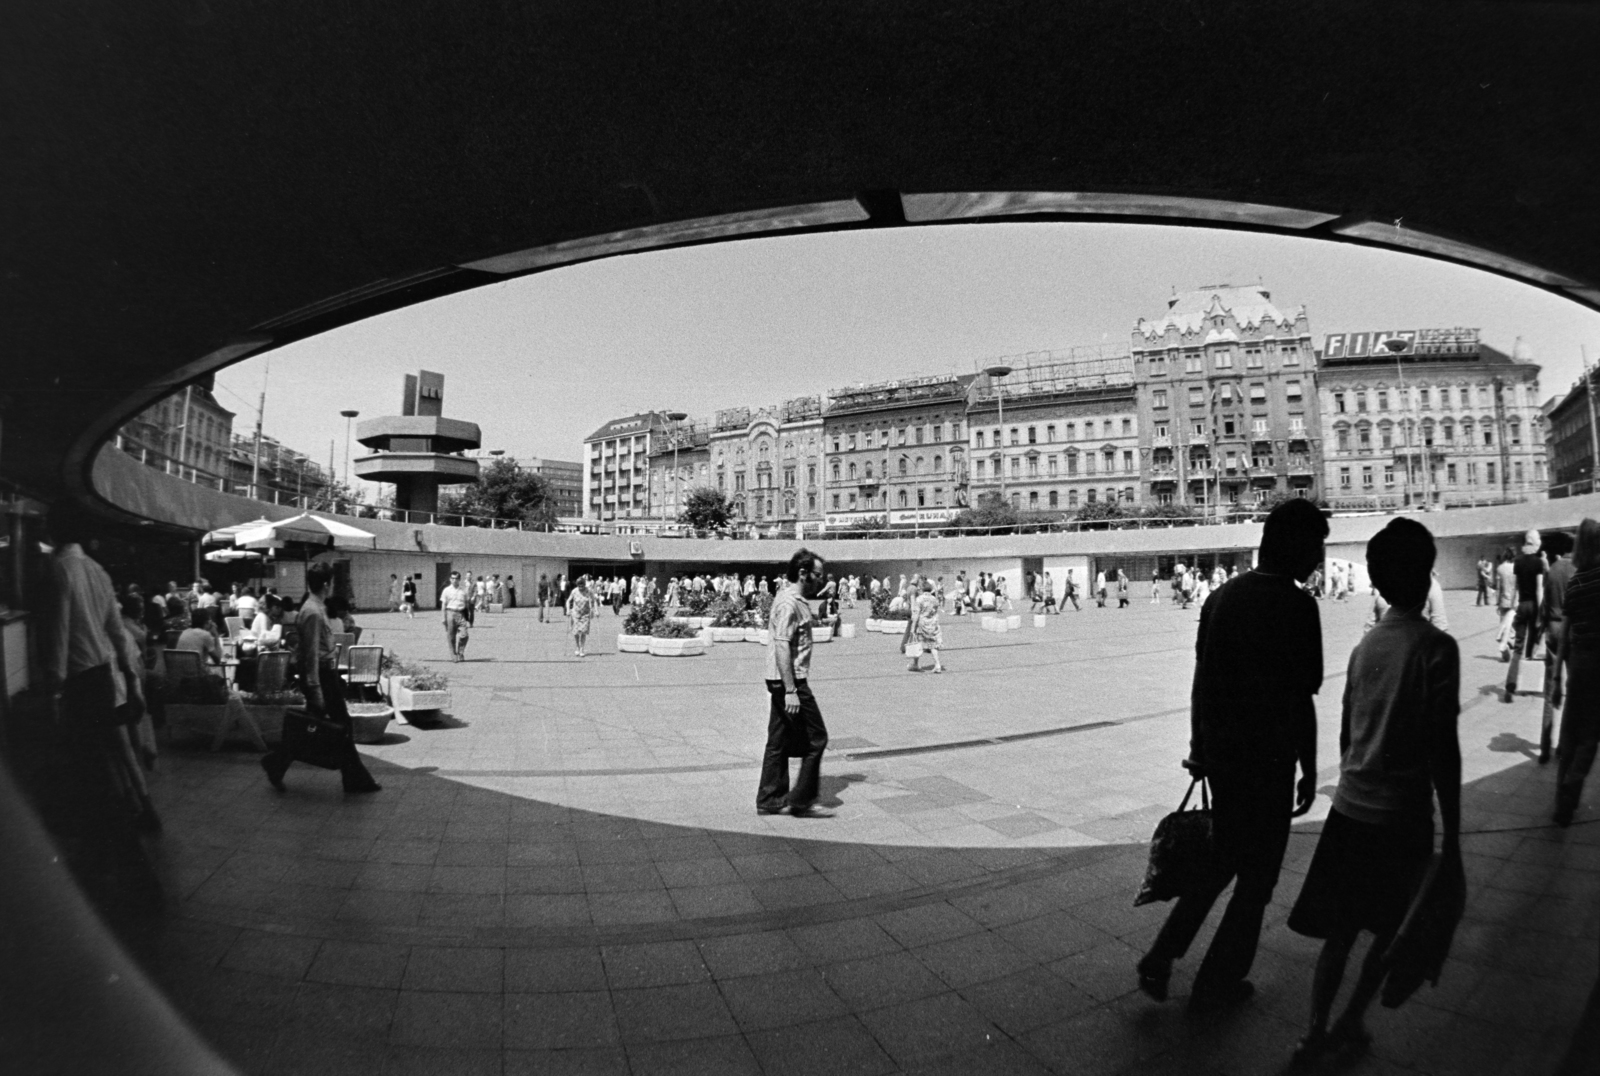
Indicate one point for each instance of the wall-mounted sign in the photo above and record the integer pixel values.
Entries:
(1348, 346)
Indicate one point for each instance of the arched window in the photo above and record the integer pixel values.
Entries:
(869, 470)
(836, 470)
(852, 472)
(1088, 496)
(1053, 499)
(902, 498)
(1072, 498)
(919, 465)
(938, 464)
(903, 466)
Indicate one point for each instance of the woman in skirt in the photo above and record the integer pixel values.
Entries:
(1399, 750)
(580, 608)
(923, 633)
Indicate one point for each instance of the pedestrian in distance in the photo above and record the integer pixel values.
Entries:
(1100, 588)
(1580, 653)
(795, 727)
(1528, 571)
(1505, 599)
(1258, 662)
(1399, 749)
(922, 631)
(408, 597)
(1155, 588)
(543, 595)
(1485, 578)
(453, 602)
(1050, 595)
(1070, 594)
(394, 593)
(580, 612)
(1122, 589)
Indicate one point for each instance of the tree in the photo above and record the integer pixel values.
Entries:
(990, 511)
(503, 491)
(1097, 511)
(706, 509)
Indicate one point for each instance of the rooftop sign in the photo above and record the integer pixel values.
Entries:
(1432, 343)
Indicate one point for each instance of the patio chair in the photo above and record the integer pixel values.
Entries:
(366, 666)
(235, 625)
(272, 671)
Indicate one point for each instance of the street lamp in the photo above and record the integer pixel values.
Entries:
(348, 415)
(675, 417)
(1396, 346)
(999, 370)
(299, 482)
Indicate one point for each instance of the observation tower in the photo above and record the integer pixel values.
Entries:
(419, 449)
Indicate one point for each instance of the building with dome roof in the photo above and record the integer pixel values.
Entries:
(1228, 410)
(1429, 417)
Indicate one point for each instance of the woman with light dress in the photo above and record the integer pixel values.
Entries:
(580, 609)
(924, 628)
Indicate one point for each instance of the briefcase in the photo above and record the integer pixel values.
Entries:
(1181, 850)
(316, 741)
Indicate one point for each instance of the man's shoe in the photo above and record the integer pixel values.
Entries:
(370, 786)
(1510, 693)
(1154, 975)
(769, 810)
(274, 773)
(1212, 998)
(811, 811)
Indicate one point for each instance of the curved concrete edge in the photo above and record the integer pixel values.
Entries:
(164, 498)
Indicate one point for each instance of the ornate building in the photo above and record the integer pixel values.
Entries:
(1227, 399)
(188, 431)
(769, 461)
(1428, 416)
(896, 450)
(1069, 435)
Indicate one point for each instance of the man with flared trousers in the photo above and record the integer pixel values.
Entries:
(794, 723)
(1258, 662)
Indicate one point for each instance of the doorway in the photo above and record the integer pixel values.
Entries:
(441, 579)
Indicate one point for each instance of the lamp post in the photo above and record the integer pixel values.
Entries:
(348, 416)
(999, 370)
(1396, 346)
(299, 482)
(676, 417)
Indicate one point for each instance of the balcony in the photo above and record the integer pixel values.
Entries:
(1161, 441)
(1300, 466)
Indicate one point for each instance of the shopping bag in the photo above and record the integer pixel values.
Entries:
(314, 740)
(913, 649)
(1181, 850)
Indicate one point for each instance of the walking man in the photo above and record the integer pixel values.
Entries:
(544, 595)
(453, 600)
(1258, 662)
(1485, 576)
(1528, 571)
(408, 598)
(794, 724)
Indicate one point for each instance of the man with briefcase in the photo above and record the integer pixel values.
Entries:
(321, 734)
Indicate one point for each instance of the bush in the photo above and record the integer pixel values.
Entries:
(697, 602)
(672, 629)
(643, 617)
(880, 607)
(728, 612)
(763, 610)
(413, 676)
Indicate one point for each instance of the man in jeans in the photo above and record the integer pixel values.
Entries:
(794, 724)
(453, 600)
(1258, 662)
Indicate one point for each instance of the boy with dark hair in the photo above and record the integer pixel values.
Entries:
(1398, 750)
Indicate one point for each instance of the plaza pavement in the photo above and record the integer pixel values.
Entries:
(565, 873)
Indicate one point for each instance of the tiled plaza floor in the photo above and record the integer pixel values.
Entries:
(566, 874)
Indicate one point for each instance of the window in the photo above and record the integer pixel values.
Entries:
(1425, 398)
(955, 431)
(1252, 358)
(1072, 430)
(1111, 461)
(1088, 496)
(1033, 435)
(1016, 435)
(1199, 429)
(919, 435)
(1472, 474)
(1488, 439)
(904, 499)
(1366, 478)
(1127, 427)
(977, 439)
(1072, 498)
(1341, 436)
(853, 471)
(1364, 438)
(1338, 402)
(1197, 396)
(1488, 470)
(1344, 478)
(1033, 466)
(852, 442)
(788, 477)
(1383, 399)
(1016, 501)
(1291, 391)
(922, 497)
(1127, 460)
(1227, 394)
(738, 482)
(938, 464)
(1127, 494)
(866, 439)
(868, 468)
(977, 468)
(1258, 425)
(811, 474)
(1051, 466)
(1388, 474)
(1016, 467)
(1361, 401)
(1053, 498)
(1088, 463)
(1291, 355)
(1072, 464)
(1158, 398)
(1447, 432)
(904, 463)
(1515, 430)
(1191, 363)
(938, 496)
(852, 500)
(1161, 430)
(1385, 435)
(1224, 358)
(1450, 473)
(1033, 500)
(836, 501)
(1050, 432)
(1227, 427)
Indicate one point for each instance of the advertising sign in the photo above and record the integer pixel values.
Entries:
(907, 517)
(1457, 341)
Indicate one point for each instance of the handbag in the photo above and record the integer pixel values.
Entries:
(316, 740)
(913, 649)
(1181, 850)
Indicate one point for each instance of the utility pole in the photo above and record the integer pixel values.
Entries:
(183, 427)
(255, 468)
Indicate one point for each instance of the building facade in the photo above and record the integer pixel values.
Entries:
(188, 429)
(897, 451)
(769, 461)
(283, 472)
(616, 467)
(1572, 441)
(419, 449)
(680, 462)
(1059, 432)
(1428, 417)
(1227, 400)
(564, 479)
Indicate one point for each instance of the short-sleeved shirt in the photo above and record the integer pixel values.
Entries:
(1529, 569)
(790, 621)
(1404, 682)
(1258, 662)
(453, 599)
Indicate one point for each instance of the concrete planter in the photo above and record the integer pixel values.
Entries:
(633, 644)
(893, 626)
(1039, 620)
(369, 727)
(822, 633)
(847, 631)
(1014, 623)
(678, 648)
(726, 635)
(409, 701)
(496, 607)
(757, 635)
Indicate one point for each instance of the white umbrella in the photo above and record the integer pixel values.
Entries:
(225, 535)
(232, 554)
(308, 529)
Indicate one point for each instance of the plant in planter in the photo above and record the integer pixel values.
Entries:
(696, 602)
(728, 619)
(676, 639)
(638, 624)
(881, 619)
(413, 686)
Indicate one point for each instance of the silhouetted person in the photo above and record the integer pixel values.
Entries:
(1258, 662)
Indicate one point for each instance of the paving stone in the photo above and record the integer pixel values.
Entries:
(560, 1021)
(691, 1011)
(837, 1047)
(282, 955)
(726, 1055)
(887, 979)
(447, 1020)
(914, 1032)
(653, 964)
(750, 954)
(608, 1061)
(578, 968)
(369, 964)
(780, 999)
(459, 969)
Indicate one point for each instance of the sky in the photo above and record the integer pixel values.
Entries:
(542, 361)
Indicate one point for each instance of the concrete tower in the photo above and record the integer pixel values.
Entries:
(419, 449)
